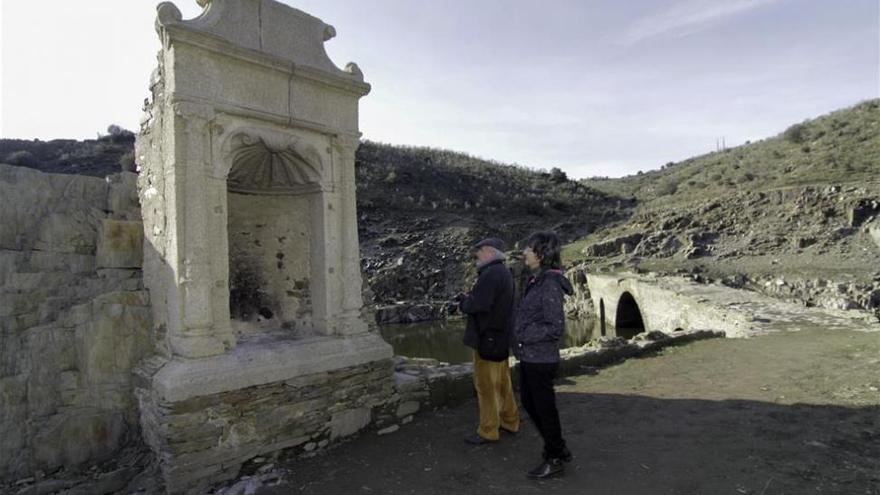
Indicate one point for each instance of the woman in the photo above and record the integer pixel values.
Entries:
(540, 322)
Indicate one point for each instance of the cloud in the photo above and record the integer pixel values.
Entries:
(688, 17)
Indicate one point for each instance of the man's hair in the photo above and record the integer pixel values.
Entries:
(547, 248)
(498, 253)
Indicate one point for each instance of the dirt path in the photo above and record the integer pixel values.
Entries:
(787, 413)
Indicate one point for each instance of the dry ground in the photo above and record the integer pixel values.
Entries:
(786, 413)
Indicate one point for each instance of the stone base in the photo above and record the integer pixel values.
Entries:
(205, 418)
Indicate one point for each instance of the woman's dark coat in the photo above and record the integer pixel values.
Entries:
(540, 319)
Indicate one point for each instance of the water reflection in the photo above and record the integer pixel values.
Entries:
(441, 340)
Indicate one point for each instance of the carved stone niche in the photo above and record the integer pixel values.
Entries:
(273, 190)
(248, 196)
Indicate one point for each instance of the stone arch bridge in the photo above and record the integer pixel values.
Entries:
(628, 304)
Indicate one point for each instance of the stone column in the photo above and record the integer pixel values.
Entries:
(352, 298)
(325, 269)
(190, 248)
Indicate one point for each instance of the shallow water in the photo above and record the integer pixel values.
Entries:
(441, 340)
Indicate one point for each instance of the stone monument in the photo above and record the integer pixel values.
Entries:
(251, 249)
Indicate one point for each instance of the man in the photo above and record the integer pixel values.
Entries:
(489, 307)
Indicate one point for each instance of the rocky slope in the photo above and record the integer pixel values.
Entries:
(420, 209)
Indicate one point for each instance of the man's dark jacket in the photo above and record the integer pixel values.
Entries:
(489, 306)
(540, 319)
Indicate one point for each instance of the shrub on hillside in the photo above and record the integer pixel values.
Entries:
(667, 187)
(117, 134)
(795, 134)
(557, 175)
(21, 158)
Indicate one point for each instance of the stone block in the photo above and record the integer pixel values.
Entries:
(407, 408)
(349, 422)
(120, 244)
(79, 191)
(406, 383)
(63, 262)
(69, 232)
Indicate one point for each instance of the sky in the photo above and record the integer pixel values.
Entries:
(594, 87)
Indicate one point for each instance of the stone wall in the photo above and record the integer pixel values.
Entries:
(74, 318)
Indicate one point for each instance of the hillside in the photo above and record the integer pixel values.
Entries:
(795, 216)
(95, 157)
(843, 146)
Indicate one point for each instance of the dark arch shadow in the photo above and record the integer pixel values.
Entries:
(628, 320)
(602, 317)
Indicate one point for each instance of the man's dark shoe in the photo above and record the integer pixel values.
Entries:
(505, 430)
(565, 457)
(476, 439)
(547, 469)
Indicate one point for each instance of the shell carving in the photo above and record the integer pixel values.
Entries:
(258, 168)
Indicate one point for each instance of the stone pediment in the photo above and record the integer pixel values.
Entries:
(265, 26)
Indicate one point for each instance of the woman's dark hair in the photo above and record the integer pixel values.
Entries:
(547, 248)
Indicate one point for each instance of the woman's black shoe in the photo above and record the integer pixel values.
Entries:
(477, 439)
(548, 468)
(565, 457)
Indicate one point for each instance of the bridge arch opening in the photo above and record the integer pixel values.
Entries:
(602, 317)
(628, 321)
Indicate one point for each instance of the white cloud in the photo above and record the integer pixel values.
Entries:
(688, 17)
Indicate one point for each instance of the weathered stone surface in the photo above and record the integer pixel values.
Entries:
(120, 244)
(71, 440)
